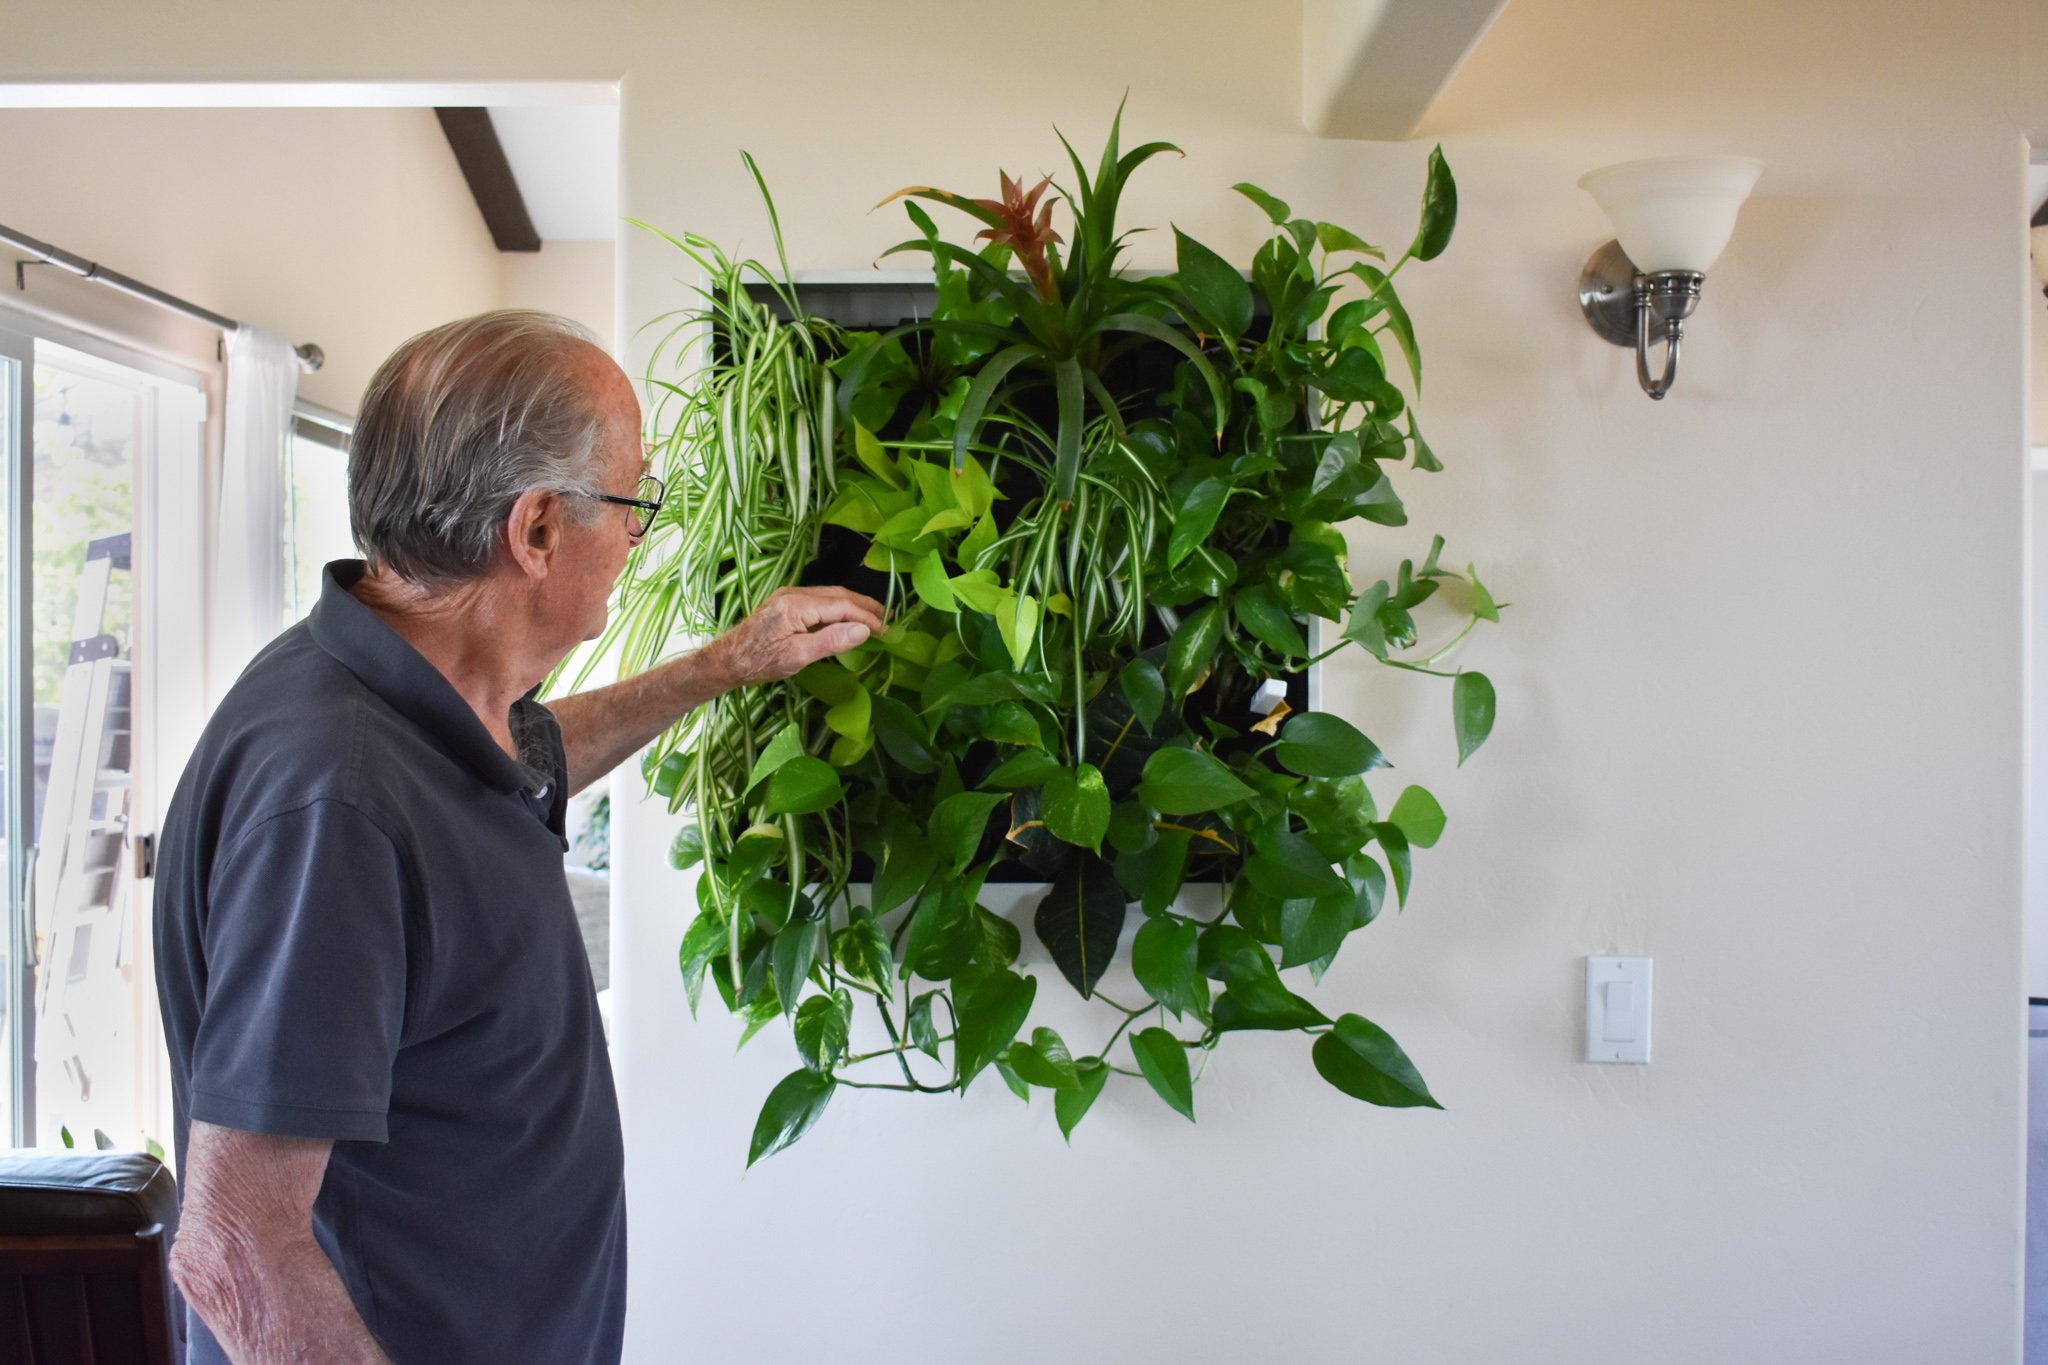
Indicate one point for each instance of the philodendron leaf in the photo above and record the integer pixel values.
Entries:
(1081, 919)
(1028, 768)
(1163, 957)
(1439, 210)
(1274, 208)
(1192, 648)
(990, 1015)
(907, 863)
(1070, 1104)
(1076, 806)
(1311, 930)
(852, 718)
(1360, 1059)
(793, 1106)
(924, 1035)
(1219, 294)
(686, 850)
(1419, 816)
(1196, 517)
(796, 948)
(802, 786)
(1259, 610)
(1017, 621)
(957, 824)
(787, 744)
(933, 586)
(1044, 1061)
(863, 954)
(1164, 1060)
(822, 1023)
(1472, 712)
(1181, 781)
(904, 736)
(1145, 689)
(1317, 744)
(1394, 840)
(1287, 866)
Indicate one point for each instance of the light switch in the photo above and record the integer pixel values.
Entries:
(1618, 1009)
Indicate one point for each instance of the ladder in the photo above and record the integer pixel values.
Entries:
(85, 977)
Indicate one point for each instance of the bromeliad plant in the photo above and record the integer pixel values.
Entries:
(1092, 561)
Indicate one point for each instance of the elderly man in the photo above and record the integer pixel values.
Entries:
(395, 1116)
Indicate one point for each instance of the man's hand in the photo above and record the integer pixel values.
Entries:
(792, 630)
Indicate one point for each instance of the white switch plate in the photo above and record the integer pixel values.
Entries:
(1617, 1009)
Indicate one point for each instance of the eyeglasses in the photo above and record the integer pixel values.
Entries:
(647, 506)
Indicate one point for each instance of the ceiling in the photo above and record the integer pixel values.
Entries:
(566, 160)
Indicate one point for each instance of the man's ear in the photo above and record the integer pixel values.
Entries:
(533, 531)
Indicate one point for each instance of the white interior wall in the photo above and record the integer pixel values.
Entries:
(351, 228)
(1761, 703)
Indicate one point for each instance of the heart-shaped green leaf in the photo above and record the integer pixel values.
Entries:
(1163, 957)
(802, 786)
(1164, 1060)
(1145, 689)
(793, 1106)
(821, 1029)
(1195, 518)
(990, 1015)
(1072, 1103)
(1212, 285)
(1419, 816)
(1182, 781)
(1472, 712)
(1318, 744)
(1360, 1059)
(1076, 806)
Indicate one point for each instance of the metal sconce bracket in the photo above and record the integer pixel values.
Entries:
(1619, 301)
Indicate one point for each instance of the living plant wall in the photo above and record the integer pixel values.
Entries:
(1106, 511)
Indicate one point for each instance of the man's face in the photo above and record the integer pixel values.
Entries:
(594, 554)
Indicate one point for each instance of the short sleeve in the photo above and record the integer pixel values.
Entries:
(306, 968)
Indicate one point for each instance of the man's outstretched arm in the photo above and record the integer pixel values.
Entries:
(794, 628)
(245, 1257)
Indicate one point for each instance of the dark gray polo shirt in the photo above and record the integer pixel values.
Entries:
(363, 933)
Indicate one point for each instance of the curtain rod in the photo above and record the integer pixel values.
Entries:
(311, 357)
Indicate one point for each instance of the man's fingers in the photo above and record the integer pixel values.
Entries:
(826, 605)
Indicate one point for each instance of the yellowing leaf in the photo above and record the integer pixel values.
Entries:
(869, 452)
(978, 540)
(1017, 621)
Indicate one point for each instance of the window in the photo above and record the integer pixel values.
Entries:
(103, 451)
(316, 525)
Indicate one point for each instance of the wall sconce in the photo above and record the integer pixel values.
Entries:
(1672, 216)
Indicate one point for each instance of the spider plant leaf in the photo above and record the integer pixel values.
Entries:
(1066, 373)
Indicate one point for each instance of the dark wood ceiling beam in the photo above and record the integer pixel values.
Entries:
(482, 158)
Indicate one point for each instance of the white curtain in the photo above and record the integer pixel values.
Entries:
(248, 573)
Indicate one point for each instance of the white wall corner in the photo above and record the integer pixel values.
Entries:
(1371, 68)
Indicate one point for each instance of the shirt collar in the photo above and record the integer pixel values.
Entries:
(381, 659)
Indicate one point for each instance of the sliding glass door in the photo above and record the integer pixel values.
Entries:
(103, 445)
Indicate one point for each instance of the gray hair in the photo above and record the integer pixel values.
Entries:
(455, 425)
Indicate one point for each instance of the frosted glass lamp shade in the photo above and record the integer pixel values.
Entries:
(1673, 212)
